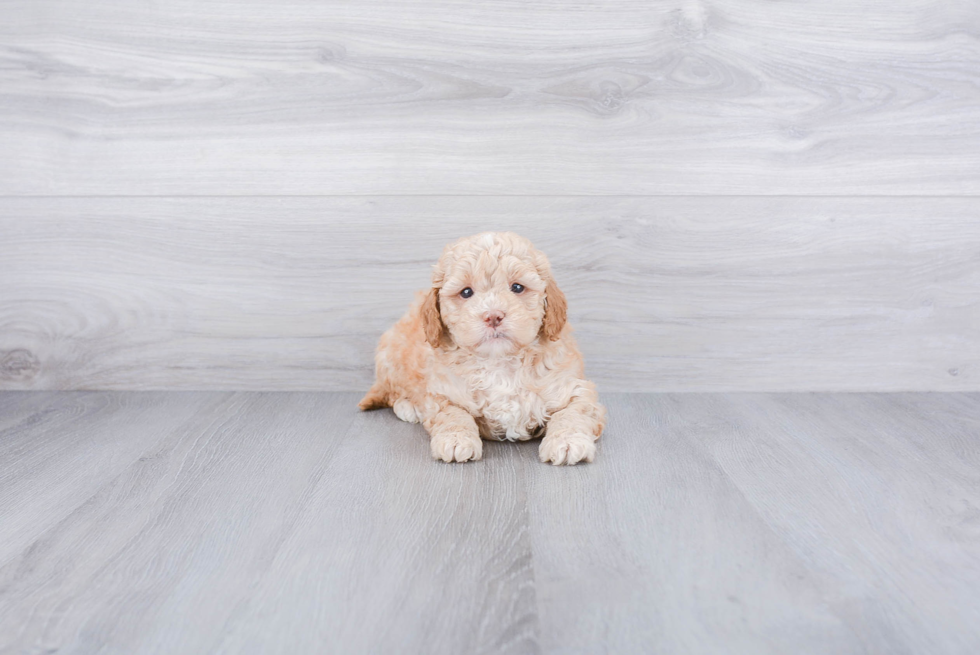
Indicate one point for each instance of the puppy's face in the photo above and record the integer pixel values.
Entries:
(493, 294)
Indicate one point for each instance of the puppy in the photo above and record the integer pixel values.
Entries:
(486, 352)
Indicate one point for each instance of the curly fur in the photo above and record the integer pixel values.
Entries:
(496, 365)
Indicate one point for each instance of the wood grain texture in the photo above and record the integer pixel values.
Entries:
(203, 510)
(76, 443)
(859, 485)
(291, 523)
(271, 507)
(656, 551)
(665, 293)
(396, 554)
(467, 97)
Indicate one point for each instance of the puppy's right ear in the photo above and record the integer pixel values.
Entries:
(432, 323)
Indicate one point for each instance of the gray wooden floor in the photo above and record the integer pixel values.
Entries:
(187, 522)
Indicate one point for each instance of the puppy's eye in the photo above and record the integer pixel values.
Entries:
(466, 293)
(517, 288)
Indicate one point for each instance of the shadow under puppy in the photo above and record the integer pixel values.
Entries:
(487, 352)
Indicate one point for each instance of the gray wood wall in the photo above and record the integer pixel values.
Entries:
(735, 194)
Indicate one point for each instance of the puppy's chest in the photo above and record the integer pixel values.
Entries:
(506, 403)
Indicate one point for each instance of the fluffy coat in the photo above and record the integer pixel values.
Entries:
(487, 352)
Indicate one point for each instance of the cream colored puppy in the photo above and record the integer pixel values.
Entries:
(486, 352)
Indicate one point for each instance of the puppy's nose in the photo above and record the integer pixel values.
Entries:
(494, 318)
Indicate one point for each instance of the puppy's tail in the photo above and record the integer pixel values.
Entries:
(376, 398)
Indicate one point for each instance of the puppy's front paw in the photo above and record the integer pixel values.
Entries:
(567, 448)
(456, 446)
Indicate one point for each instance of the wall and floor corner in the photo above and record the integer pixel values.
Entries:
(220, 203)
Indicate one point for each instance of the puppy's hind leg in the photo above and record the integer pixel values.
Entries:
(375, 398)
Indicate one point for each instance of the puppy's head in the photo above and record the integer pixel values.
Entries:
(493, 294)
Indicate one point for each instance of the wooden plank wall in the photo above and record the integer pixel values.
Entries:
(735, 194)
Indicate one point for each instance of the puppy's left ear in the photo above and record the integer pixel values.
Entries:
(555, 311)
